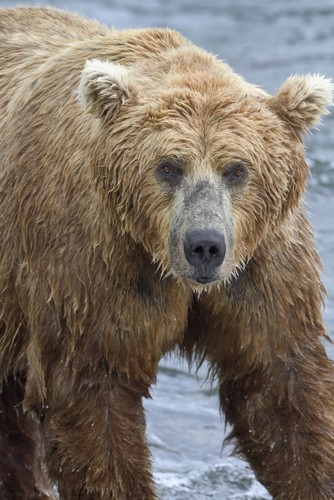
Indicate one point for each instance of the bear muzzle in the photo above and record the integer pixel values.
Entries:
(205, 251)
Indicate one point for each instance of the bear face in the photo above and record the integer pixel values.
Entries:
(211, 162)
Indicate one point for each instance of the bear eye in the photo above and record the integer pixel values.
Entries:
(238, 172)
(166, 168)
(170, 169)
(235, 173)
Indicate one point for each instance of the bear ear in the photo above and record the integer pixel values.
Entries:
(104, 88)
(302, 100)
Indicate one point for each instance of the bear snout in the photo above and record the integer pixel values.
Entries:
(205, 251)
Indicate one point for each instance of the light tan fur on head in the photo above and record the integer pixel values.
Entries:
(302, 100)
(182, 88)
(104, 87)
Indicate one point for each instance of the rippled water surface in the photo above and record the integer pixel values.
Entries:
(266, 42)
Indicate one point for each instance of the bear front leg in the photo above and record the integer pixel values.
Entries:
(276, 381)
(95, 439)
(22, 469)
(283, 422)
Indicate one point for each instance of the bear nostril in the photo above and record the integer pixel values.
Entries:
(198, 251)
(214, 251)
(205, 249)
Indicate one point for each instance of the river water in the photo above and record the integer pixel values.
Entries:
(265, 42)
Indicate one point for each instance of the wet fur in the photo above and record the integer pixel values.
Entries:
(91, 297)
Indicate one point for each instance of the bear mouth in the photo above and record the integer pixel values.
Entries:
(204, 280)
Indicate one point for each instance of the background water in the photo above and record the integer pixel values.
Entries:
(265, 42)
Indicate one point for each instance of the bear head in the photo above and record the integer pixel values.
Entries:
(194, 163)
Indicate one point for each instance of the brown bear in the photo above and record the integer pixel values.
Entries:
(150, 201)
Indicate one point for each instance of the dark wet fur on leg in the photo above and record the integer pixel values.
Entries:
(21, 475)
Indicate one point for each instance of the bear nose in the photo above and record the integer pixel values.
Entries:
(205, 249)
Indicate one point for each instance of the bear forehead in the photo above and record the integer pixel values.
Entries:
(209, 109)
(190, 84)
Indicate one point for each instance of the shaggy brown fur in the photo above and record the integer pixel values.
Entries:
(115, 148)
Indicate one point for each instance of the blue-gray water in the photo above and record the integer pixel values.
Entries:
(265, 41)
